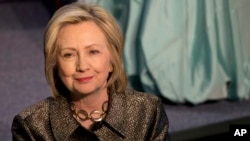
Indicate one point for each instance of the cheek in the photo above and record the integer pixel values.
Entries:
(65, 69)
(102, 66)
(106, 65)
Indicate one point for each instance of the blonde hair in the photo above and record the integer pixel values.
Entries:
(76, 13)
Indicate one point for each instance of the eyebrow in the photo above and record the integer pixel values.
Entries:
(69, 48)
(87, 46)
(94, 44)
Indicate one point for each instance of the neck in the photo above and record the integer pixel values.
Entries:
(90, 102)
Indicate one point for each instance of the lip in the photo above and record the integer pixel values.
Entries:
(84, 79)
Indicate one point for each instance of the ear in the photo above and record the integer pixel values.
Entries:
(110, 68)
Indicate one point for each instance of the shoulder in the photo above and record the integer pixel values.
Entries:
(33, 122)
(138, 96)
(41, 109)
(137, 100)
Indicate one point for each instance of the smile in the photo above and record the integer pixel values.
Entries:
(84, 79)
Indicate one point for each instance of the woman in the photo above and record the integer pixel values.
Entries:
(83, 66)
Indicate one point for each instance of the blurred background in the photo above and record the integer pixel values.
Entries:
(194, 54)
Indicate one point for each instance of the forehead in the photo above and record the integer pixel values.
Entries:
(84, 33)
(84, 29)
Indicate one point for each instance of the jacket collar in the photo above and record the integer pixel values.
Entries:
(63, 124)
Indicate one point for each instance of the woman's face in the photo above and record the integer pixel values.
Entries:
(83, 58)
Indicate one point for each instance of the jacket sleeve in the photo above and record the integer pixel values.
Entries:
(20, 130)
(161, 124)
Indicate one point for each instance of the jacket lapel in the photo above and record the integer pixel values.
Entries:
(62, 121)
(114, 121)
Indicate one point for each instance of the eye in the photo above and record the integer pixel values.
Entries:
(94, 52)
(68, 55)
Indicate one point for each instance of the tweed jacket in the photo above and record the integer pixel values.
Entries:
(132, 116)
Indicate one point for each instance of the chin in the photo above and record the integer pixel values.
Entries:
(85, 91)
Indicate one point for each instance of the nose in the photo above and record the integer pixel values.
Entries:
(82, 63)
